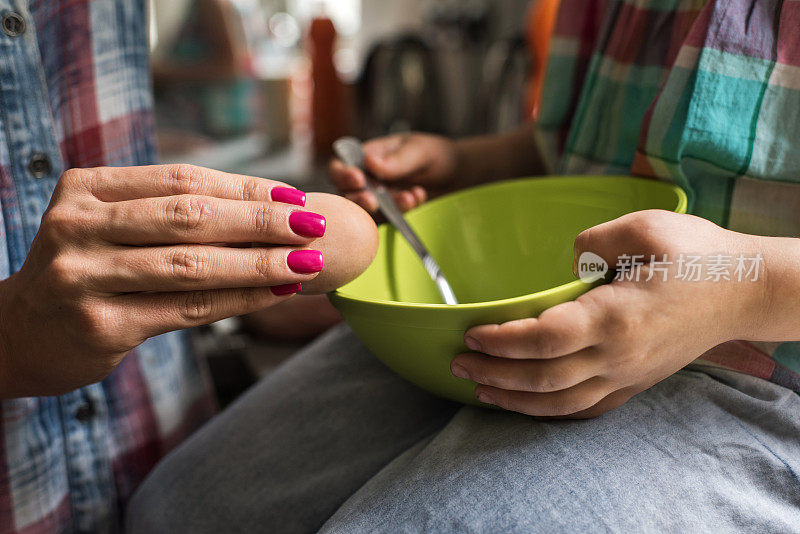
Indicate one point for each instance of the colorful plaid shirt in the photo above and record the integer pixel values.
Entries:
(75, 92)
(702, 93)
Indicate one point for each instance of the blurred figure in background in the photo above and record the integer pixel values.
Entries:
(209, 45)
(202, 69)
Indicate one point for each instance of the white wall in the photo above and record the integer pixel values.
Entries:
(386, 17)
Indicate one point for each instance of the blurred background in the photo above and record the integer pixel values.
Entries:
(263, 88)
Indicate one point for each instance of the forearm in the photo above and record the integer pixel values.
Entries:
(779, 316)
(5, 351)
(17, 352)
(498, 157)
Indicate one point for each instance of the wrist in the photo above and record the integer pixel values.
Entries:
(777, 305)
(479, 160)
(752, 292)
(464, 172)
(765, 301)
(499, 157)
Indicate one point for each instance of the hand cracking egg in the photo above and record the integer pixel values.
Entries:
(348, 246)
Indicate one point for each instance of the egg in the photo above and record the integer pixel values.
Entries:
(348, 246)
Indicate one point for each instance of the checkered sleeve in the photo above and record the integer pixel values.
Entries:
(702, 93)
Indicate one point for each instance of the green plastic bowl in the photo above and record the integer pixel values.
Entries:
(507, 250)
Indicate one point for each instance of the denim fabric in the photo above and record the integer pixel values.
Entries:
(333, 440)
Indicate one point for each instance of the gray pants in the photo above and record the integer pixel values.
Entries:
(334, 441)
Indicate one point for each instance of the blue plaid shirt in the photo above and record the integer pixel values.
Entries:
(75, 92)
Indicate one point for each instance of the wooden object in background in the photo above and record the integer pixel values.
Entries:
(328, 102)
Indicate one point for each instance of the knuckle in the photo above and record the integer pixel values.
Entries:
(187, 265)
(547, 382)
(96, 322)
(63, 271)
(248, 299)
(585, 240)
(622, 326)
(264, 218)
(187, 212)
(642, 232)
(261, 218)
(186, 178)
(657, 217)
(561, 409)
(647, 228)
(594, 323)
(542, 345)
(585, 402)
(511, 383)
(197, 307)
(71, 177)
(65, 220)
(58, 221)
(334, 168)
(253, 189)
(266, 264)
(81, 179)
(564, 405)
(633, 359)
(494, 339)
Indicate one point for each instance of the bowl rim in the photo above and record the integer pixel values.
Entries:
(681, 207)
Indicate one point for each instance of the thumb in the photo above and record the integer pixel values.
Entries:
(395, 159)
(629, 236)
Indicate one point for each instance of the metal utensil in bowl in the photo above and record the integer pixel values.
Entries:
(350, 151)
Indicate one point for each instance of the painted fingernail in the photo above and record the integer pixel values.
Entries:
(287, 195)
(473, 344)
(305, 261)
(484, 397)
(459, 371)
(307, 224)
(288, 289)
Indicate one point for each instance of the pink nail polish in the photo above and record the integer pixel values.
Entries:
(307, 224)
(288, 289)
(287, 195)
(305, 261)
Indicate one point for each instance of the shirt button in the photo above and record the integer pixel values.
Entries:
(85, 412)
(13, 24)
(39, 165)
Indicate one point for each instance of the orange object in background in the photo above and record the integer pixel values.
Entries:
(328, 103)
(540, 25)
